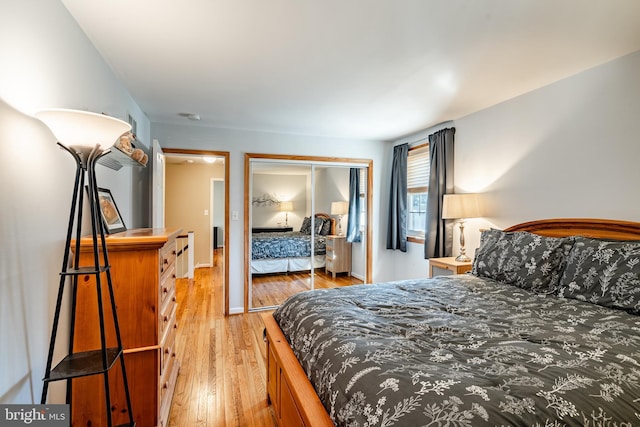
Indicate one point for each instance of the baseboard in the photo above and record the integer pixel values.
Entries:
(236, 310)
(358, 276)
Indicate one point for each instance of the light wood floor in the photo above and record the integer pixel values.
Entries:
(223, 373)
(273, 289)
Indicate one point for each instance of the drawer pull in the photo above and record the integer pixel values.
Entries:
(166, 351)
(166, 261)
(165, 290)
(165, 319)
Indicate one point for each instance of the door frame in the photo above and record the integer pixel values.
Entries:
(227, 174)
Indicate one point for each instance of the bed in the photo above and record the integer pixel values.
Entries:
(545, 331)
(282, 252)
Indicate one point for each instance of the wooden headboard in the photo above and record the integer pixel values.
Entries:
(588, 227)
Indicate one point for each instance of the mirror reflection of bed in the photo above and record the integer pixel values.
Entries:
(281, 261)
(276, 277)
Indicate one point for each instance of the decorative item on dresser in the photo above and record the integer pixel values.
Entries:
(87, 137)
(338, 255)
(143, 267)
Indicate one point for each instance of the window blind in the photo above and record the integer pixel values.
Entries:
(418, 170)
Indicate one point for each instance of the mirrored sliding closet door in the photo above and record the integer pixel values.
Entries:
(306, 226)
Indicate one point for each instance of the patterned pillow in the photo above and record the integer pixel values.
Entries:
(326, 227)
(319, 223)
(306, 225)
(605, 273)
(522, 259)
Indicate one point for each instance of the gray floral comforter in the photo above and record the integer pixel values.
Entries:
(286, 245)
(465, 351)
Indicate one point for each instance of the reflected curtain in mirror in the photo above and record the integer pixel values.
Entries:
(353, 221)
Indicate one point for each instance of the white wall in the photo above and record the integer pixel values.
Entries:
(46, 61)
(237, 143)
(289, 187)
(569, 149)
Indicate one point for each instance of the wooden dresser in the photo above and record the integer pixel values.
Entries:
(143, 265)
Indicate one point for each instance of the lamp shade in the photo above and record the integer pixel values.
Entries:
(339, 208)
(457, 206)
(286, 206)
(75, 128)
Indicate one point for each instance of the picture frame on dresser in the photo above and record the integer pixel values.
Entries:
(109, 212)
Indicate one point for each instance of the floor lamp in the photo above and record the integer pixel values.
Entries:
(460, 206)
(86, 137)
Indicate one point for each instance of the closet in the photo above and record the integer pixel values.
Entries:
(293, 207)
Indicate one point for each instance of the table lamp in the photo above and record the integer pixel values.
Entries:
(461, 207)
(286, 207)
(339, 209)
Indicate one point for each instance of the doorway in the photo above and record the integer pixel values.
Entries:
(196, 185)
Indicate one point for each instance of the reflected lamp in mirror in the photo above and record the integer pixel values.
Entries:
(339, 209)
(460, 207)
(286, 207)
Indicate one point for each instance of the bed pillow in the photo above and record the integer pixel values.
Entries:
(526, 260)
(326, 227)
(603, 272)
(306, 225)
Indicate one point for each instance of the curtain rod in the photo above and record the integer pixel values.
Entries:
(430, 130)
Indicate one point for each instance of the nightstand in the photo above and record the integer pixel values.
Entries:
(449, 263)
(338, 258)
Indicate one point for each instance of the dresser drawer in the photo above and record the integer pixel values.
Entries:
(167, 316)
(167, 348)
(329, 264)
(167, 284)
(167, 258)
(167, 385)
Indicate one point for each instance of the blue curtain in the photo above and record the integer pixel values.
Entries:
(397, 227)
(353, 222)
(438, 240)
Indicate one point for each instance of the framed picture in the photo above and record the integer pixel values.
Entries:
(109, 212)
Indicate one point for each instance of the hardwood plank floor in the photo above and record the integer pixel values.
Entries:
(272, 289)
(223, 372)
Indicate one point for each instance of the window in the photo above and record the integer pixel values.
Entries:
(417, 186)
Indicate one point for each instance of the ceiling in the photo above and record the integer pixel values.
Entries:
(363, 69)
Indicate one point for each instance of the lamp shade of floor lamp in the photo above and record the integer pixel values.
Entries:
(286, 207)
(461, 207)
(86, 137)
(339, 209)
